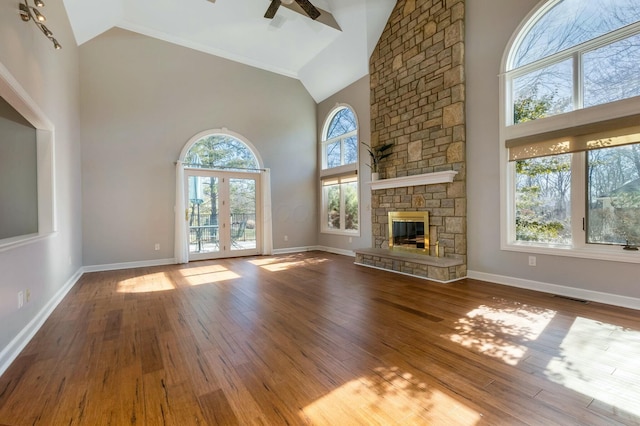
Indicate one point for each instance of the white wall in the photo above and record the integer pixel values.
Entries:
(50, 78)
(489, 26)
(142, 99)
(357, 96)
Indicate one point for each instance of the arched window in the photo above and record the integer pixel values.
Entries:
(575, 54)
(339, 175)
(570, 133)
(340, 139)
(221, 151)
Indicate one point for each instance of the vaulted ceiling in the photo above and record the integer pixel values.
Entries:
(323, 58)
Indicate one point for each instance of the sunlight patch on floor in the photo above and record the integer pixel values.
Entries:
(493, 330)
(593, 360)
(390, 396)
(201, 270)
(148, 283)
(278, 264)
(207, 274)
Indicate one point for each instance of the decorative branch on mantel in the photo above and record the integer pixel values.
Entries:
(423, 179)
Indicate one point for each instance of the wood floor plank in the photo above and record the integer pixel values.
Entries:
(217, 410)
(311, 338)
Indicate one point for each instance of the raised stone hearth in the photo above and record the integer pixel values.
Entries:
(443, 269)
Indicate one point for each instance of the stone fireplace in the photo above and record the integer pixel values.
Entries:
(418, 104)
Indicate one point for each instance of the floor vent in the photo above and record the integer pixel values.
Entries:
(584, 302)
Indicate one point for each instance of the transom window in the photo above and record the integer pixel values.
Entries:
(339, 174)
(574, 54)
(222, 152)
(571, 131)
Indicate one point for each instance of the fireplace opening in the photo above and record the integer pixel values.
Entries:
(409, 231)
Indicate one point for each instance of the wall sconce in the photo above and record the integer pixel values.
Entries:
(31, 13)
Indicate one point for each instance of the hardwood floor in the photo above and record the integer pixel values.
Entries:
(313, 339)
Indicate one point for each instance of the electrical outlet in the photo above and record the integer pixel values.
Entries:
(532, 261)
(20, 299)
(157, 246)
(286, 238)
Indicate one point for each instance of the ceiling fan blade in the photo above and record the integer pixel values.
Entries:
(273, 8)
(309, 9)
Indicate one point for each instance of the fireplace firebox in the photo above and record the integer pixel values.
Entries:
(409, 231)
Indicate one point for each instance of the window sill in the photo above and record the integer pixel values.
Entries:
(343, 233)
(612, 253)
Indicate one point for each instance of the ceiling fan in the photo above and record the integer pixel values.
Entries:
(306, 5)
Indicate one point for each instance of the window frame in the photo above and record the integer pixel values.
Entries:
(344, 171)
(577, 117)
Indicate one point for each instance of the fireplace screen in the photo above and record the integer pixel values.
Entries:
(409, 230)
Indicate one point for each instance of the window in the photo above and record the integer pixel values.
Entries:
(571, 131)
(339, 173)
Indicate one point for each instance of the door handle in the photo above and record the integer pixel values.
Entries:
(186, 214)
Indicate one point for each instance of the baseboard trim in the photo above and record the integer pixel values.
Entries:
(333, 250)
(290, 250)
(17, 345)
(129, 265)
(578, 293)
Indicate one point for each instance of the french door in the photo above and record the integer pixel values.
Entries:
(223, 213)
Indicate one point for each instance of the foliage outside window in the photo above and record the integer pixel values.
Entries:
(339, 173)
(578, 187)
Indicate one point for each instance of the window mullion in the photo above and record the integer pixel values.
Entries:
(578, 199)
(578, 86)
(343, 209)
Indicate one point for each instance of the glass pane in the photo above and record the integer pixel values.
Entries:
(220, 152)
(613, 214)
(343, 122)
(543, 93)
(203, 214)
(332, 203)
(333, 154)
(543, 199)
(572, 22)
(242, 204)
(351, 205)
(350, 150)
(611, 72)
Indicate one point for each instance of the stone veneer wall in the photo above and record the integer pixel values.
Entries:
(418, 103)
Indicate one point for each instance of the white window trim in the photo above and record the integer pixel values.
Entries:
(579, 116)
(345, 170)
